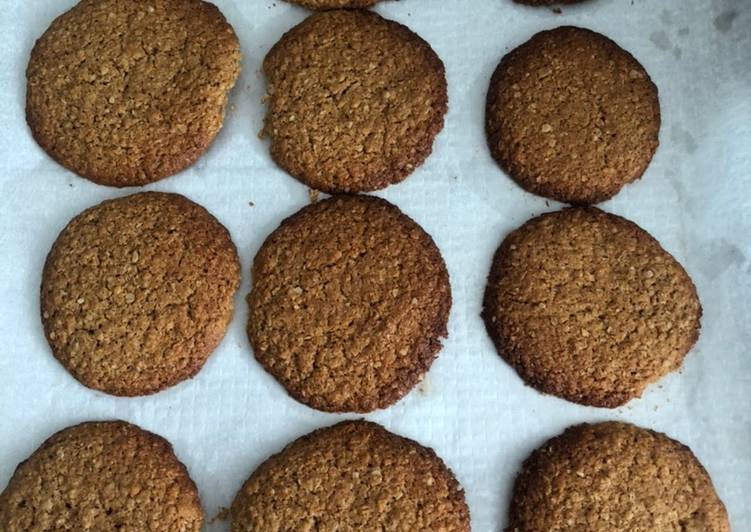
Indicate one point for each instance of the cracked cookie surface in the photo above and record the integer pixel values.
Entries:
(349, 302)
(127, 92)
(572, 116)
(588, 306)
(354, 101)
(352, 476)
(610, 477)
(138, 291)
(101, 476)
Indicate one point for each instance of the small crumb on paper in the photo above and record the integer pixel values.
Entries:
(221, 515)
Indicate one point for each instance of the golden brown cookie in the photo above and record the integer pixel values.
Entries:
(350, 300)
(353, 476)
(572, 116)
(612, 477)
(587, 306)
(321, 5)
(138, 291)
(127, 92)
(354, 101)
(100, 476)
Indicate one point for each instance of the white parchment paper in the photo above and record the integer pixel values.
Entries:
(695, 198)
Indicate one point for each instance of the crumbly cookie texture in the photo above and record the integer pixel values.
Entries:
(587, 306)
(612, 477)
(127, 92)
(354, 101)
(350, 300)
(138, 291)
(321, 5)
(353, 476)
(101, 476)
(572, 116)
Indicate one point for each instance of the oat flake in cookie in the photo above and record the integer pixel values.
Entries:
(321, 5)
(138, 291)
(353, 476)
(572, 116)
(349, 303)
(127, 92)
(614, 477)
(587, 306)
(354, 101)
(100, 476)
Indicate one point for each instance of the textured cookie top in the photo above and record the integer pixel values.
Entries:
(101, 476)
(138, 291)
(587, 306)
(613, 477)
(350, 299)
(126, 92)
(354, 101)
(572, 116)
(353, 476)
(333, 4)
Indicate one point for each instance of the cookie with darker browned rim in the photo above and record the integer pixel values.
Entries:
(101, 476)
(138, 291)
(572, 116)
(349, 303)
(611, 477)
(321, 5)
(126, 93)
(354, 101)
(352, 476)
(588, 306)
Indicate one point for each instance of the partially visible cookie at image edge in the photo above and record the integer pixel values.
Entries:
(125, 93)
(138, 291)
(101, 476)
(611, 477)
(355, 475)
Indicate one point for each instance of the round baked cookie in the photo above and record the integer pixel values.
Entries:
(138, 291)
(572, 116)
(354, 101)
(587, 306)
(127, 92)
(350, 300)
(612, 477)
(101, 476)
(355, 475)
(321, 5)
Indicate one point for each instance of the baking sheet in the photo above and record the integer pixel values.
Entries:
(472, 408)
